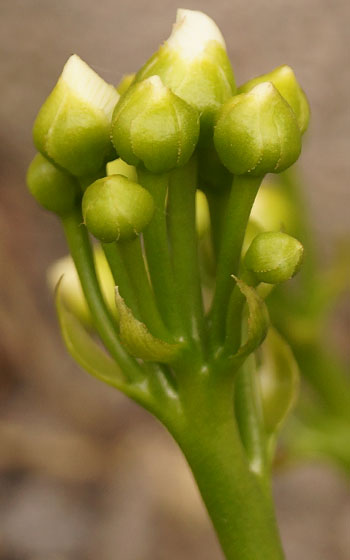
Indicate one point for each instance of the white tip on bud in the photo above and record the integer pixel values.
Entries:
(89, 86)
(191, 33)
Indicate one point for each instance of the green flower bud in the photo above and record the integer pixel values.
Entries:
(273, 257)
(71, 290)
(73, 126)
(124, 84)
(284, 80)
(154, 127)
(202, 214)
(194, 64)
(115, 208)
(52, 188)
(120, 167)
(257, 133)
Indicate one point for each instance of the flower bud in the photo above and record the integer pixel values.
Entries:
(120, 167)
(284, 80)
(73, 126)
(154, 127)
(257, 132)
(273, 257)
(115, 208)
(194, 64)
(52, 188)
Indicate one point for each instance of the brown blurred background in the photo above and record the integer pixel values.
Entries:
(85, 474)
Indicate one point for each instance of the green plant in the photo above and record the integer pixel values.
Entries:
(189, 321)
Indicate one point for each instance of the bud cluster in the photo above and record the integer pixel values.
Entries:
(134, 165)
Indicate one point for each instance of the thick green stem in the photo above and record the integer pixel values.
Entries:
(239, 507)
(157, 250)
(80, 249)
(243, 193)
(184, 247)
(217, 201)
(133, 258)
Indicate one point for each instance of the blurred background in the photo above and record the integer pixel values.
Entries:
(84, 473)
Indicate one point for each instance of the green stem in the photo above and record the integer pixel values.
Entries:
(243, 193)
(217, 201)
(121, 276)
(80, 249)
(240, 510)
(133, 258)
(184, 247)
(157, 250)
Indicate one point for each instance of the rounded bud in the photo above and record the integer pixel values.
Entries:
(52, 188)
(193, 63)
(154, 127)
(257, 133)
(115, 208)
(273, 257)
(284, 80)
(73, 126)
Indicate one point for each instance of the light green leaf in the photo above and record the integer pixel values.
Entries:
(279, 381)
(83, 348)
(258, 322)
(139, 342)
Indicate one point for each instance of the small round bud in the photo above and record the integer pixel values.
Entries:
(73, 126)
(52, 188)
(115, 208)
(273, 257)
(124, 84)
(154, 127)
(257, 133)
(194, 64)
(284, 80)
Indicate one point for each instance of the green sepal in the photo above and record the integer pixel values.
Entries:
(278, 373)
(139, 342)
(258, 322)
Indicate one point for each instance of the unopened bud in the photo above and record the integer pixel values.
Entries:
(73, 126)
(52, 188)
(194, 64)
(257, 132)
(273, 257)
(115, 208)
(154, 127)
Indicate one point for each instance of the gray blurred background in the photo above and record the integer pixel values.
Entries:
(84, 474)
